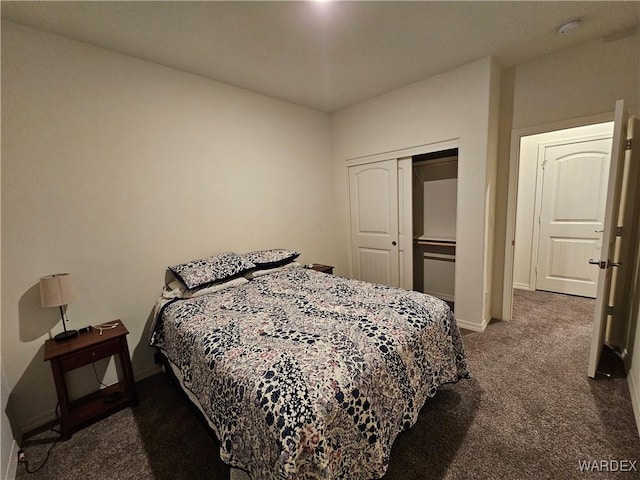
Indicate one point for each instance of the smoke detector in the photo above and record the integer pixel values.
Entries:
(569, 26)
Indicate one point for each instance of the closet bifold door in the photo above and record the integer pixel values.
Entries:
(373, 202)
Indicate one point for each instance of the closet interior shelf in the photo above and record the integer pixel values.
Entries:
(435, 242)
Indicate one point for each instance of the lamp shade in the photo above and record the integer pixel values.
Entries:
(55, 290)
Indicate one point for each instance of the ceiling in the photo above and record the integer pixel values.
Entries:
(327, 55)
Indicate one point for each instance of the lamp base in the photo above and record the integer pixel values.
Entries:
(61, 337)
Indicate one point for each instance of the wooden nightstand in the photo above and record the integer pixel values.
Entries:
(318, 267)
(82, 350)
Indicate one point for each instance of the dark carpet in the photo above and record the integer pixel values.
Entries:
(528, 412)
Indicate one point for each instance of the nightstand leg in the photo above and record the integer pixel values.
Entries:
(125, 363)
(63, 399)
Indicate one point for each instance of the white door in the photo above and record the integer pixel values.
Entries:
(574, 194)
(607, 260)
(625, 317)
(373, 198)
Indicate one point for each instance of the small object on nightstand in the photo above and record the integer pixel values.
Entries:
(85, 349)
(318, 267)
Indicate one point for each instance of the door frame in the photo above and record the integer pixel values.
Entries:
(512, 196)
(535, 243)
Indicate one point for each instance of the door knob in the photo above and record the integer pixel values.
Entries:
(394, 243)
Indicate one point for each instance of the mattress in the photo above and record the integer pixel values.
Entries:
(307, 375)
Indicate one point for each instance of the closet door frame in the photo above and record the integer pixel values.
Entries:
(399, 155)
(405, 222)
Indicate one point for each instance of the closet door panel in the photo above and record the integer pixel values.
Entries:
(375, 265)
(373, 199)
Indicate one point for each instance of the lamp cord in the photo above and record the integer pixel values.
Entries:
(106, 326)
(46, 458)
(63, 319)
(26, 463)
(93, 364)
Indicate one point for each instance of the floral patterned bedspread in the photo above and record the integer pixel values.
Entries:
(305, 375)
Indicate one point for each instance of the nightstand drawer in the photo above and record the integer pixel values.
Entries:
(93, 354)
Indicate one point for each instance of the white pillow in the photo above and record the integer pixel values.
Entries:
(175, 288)
(260, 273)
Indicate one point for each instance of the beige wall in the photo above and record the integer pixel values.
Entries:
(491, 180)
(7, 442)
(454, 105)
(632, 361)
(574, 83)
(633, 347)
(577, 82)
(8, 454)
(114, 168)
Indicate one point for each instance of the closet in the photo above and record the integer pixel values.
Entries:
(403, 221)
(434, 206)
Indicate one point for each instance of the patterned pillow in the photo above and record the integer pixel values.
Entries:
(224, 266)
(275, 257)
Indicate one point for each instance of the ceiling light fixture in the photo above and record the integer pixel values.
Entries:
(569, 26)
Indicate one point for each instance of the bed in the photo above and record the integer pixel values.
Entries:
(301, 374)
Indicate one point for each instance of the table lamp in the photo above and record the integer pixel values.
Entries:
(55, 291)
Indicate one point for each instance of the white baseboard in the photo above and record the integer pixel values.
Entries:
(442, 295)
(521, 286)
(635, 398)
(43, 418)
(147, 372)
(36, 421)
(12, 464)
(472, 325)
